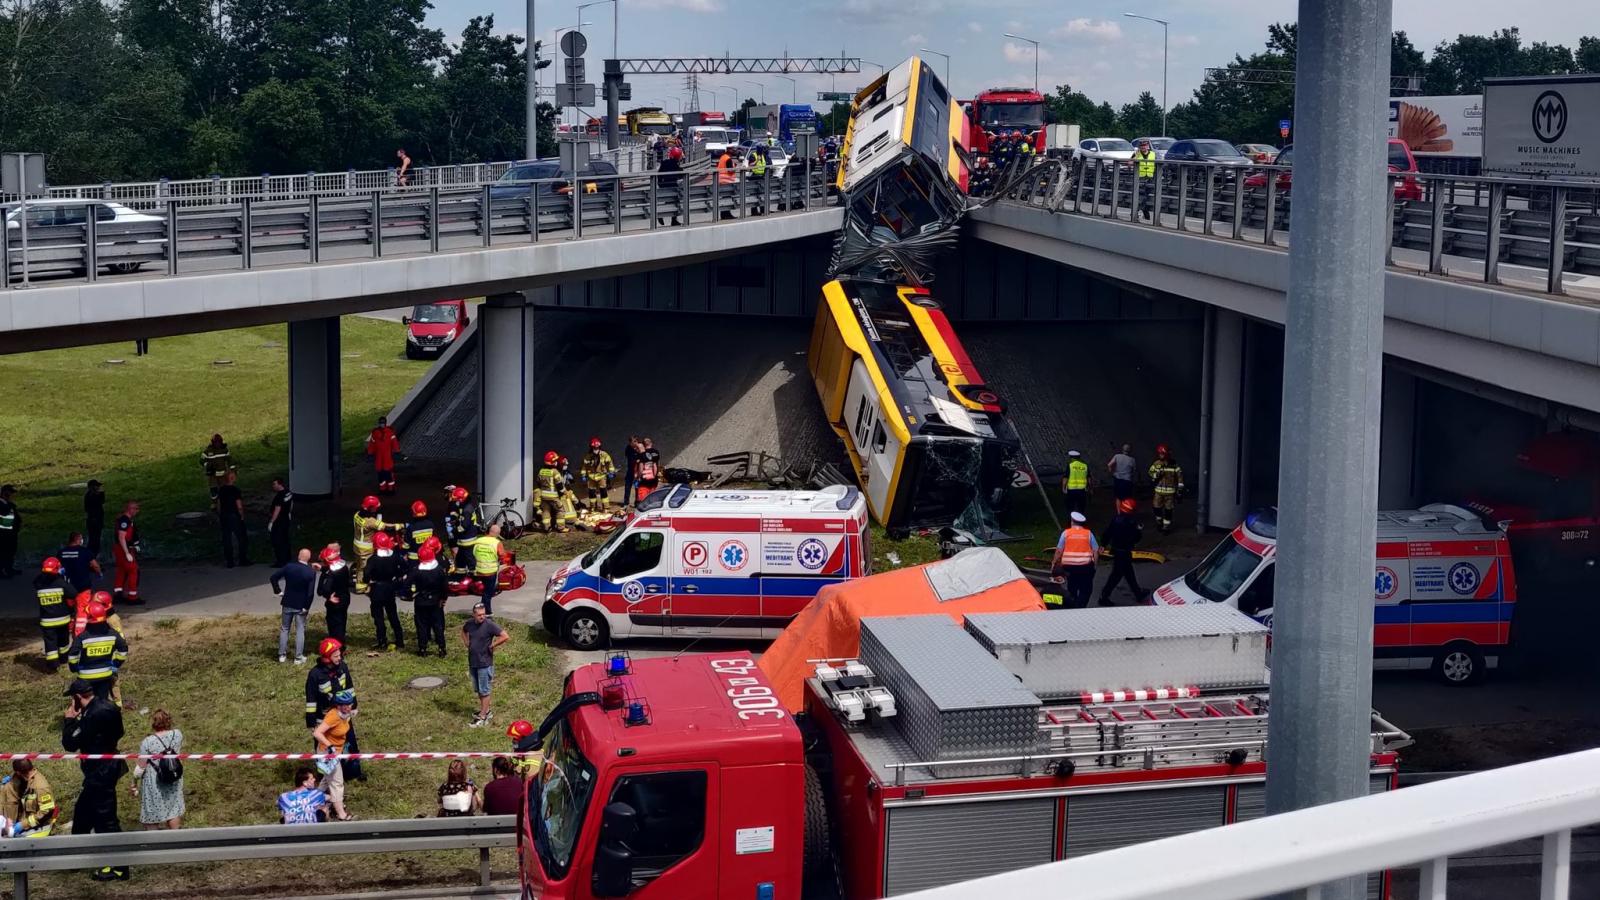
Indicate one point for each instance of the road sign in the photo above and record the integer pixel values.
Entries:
(574, 68)
(1283, 127)
(573, 43)
(834, 96)
(22, 174)
(575, 95)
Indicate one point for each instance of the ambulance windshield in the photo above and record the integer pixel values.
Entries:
(600, 551)
(1221, 573)
(566, 782)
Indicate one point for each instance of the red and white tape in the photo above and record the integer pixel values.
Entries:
(1165, 693)
(253, 757)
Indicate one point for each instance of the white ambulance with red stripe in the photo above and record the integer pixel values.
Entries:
(1444, 589)
(721, 563)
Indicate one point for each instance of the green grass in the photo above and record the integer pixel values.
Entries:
(139, 426)
(222, 683)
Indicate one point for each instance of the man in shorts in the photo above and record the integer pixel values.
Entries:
(482, 637)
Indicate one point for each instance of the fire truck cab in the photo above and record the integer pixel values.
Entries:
(1007, 109)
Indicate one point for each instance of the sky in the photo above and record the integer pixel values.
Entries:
(1091, 46)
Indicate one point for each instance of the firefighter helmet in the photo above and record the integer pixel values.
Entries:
(458, 494)
(433, 543)
(328, 647)
(564, 462)
(519, 729)
(369, 503)
(383, 540)
(550, 457)
(330, 553)
(419, 509)
(96, 612)
(1125, 505)
(1161, 450)
(103, 598)
(594, 443)
(51, 566)
(426, 553)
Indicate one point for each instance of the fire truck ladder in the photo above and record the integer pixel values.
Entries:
(1153, 734)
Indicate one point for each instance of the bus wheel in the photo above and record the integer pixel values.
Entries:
(585, 629)
(1459, 664)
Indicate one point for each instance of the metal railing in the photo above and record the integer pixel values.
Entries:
(1472, 226)
(186, 237)
(1418, 827)
(21, 857)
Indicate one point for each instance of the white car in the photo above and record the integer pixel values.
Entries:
(1159, 144)
(1103, 148)
(56, 212)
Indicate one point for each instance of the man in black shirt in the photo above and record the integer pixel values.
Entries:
(93, 724)
(334, 587)
(78, 563)
(230, 516)
(648, 467)
(279, 522)
(386, 574)
(429, 585)
(94, 516)
(1121, 535)
(630, 479)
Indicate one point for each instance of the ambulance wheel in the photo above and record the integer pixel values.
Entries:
(585, 629)
(820, 872)
(1459, 664)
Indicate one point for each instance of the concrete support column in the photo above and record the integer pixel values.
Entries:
(1397, 443)
(506, 462)
(1225, 480)
(314, 421)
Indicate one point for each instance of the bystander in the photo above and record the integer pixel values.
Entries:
(458, 796)
(280, 522)
(295, 584)
(330, 736)
(482, 638)
(158, 782)
(503, 795)
(306, 804)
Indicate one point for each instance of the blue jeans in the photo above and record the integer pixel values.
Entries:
(297, 618)
(482, 679)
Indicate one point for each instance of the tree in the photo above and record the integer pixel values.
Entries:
(836, 118)
(1404, 57)
(1139, 118)
(1074, 107)
(1587, 59)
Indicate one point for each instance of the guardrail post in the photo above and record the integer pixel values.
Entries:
(245, 229)
(1238, 204)
(1116, 188)
(1183, 197)
(683, 197)
(1099, 176)
(483, 866)
(91, 241)
(5, 256)
(740, 180)
(1431, 884)
(653, 201)
(314, 228)
(531, 212)
(716, 197)
(19, 886)
(172, 239)
(1271, 224)
(486, 216)
(1435, 232)
(1555, 864)
(805, 192)
(1388, 247)
(349, 182)
(433, 219)
(1491, 247)
(377, 224)
(1156, 195)
(1558, 247)
(216, 187)
(1207, 214)
(616, 203)
(577, 208)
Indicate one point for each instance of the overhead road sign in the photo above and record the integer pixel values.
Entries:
(730, 65)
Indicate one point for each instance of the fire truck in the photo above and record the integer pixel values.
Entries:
(1550, 499)
(939, 752)
(1007, 109)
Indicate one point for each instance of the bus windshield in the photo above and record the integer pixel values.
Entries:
(565, 784)
(1220, 574)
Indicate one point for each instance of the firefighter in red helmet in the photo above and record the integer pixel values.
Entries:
(55, 618)
(597, 468)
(368, 522)
(418, 530)
(460, 516)
(549, 486)
(1167, 476)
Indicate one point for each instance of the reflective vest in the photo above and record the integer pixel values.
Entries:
(1147, 163)
(417, 533)
(53, 611)
(1167, 475)
(215, 461)
(8, 516)
(758, 164)
(97, 653)
(366, 527)
(1077, 547)
(486, 555)
(597, 467)
(550, 483)
(725, 172)
(1077, 475)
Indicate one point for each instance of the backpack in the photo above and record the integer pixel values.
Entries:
(169, 768)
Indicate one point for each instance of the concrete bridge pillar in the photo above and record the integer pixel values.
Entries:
(1224, 476)
(314, 424)
(507, 460)
(1397, 441)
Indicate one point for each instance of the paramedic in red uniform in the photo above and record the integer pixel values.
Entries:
(382, 445)
(125, 549)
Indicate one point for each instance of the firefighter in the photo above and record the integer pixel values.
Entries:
(525, 742)
(334, 587)
(55, 619)
(1120, 536)
(386, 573)
(460, 516)
(127, 551)
(486, 564)
(418, 530)
(549, 493)
(326, 680)
(1074, 560)
(26, 799)
(428, 586)
(216, 461)
(597, 469)
(569, 497)
(80, 617)
(368, 523)
(1076, 483)
(383, 445)
(93, 724)
(97, 654)
(1167, 476)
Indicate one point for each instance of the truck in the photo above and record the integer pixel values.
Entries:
(1545, 126)
(793, 118)
(939, 752)
(1444, 133)
(433, 327)
(761, 121)
(647, 120)
(1007, 109)
(1061, 140)
(1549, 502)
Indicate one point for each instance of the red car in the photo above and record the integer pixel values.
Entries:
(1400, 161)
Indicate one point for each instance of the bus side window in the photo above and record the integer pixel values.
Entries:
(880, 438)
(1258, 595)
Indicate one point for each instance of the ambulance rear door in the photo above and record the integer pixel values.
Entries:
(716, 587)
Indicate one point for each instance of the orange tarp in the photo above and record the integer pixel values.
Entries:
(829, 627)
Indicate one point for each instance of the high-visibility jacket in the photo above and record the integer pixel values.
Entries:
(550, 483)
(459, 519)
(52, 594)
(758, 164)
(485, 554)
(417, 533)
(8, 516)
(97, 653)
(597, 468)
(216, 460)
(1167, 475)
(1077, 475)
(29, 803)
(725, 171)
(1147, 163)
(1076, 547)
(366, 527)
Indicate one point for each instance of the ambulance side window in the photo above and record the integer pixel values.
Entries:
(671, 812)
(638, 552)
(1258, 595)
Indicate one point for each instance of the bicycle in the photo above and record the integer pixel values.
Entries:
(505, 515)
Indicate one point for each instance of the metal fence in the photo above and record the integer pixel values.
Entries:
(65, 241)
(1443, 224)
(22, 857)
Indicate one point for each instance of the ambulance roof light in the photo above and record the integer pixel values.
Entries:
(1263, 522)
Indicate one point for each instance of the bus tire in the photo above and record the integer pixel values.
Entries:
(819, 878)
(1459, 665)
(585, 629)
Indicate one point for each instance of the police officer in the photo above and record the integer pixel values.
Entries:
(55, 618)
(418, 530)
(280, 522)
(1167, 476)
(1076, 483)
(98, 652)
(549, 485)
(335, 588)
(10, 524)
(429, 586)
(1120, 536)
(93, 724)
(597, 469)
(1074, 559)
(385, 573)
(1145, 160)
(486, 564)
(216, 461)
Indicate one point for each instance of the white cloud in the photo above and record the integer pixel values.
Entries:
(1099, 30)
(915, 40)
(694, 6)
(1185, 40)
(1023, 53)
(975, 27)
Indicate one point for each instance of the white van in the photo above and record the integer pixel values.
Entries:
(724, 563)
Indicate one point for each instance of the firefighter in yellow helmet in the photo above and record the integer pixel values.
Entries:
(548, 487)
(597, 469)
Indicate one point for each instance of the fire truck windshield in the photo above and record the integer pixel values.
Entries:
(1221, 573)
(1012, 115)
(566, 782)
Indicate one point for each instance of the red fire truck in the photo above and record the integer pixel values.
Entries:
(941, 752)
(1551, 497)
(1007, 109)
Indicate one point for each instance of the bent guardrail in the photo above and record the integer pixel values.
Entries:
(21, 857)
(1442, 224)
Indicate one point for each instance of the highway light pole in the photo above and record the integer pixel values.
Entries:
(794, 95)
(1036, 66)
(763, 90)
(530, 138)
(1163, 24)
(614, 19)
(946, 66)
(1318, 733)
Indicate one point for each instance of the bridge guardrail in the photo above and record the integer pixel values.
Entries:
(178, 233)
(21, 857)
(1553, 227)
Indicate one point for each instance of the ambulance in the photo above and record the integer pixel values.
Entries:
(1444, 587)
(710, 563)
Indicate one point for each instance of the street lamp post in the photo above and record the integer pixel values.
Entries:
(946, 65)
(1163, 23)
(794, 95)
(530, 140)
(1036, 62)
(614, 18)
(763, 90)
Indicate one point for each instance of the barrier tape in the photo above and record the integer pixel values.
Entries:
(253, 757)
